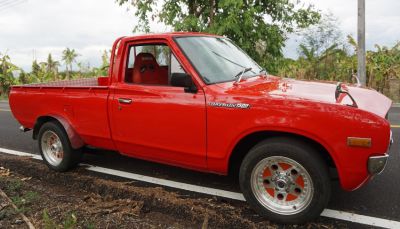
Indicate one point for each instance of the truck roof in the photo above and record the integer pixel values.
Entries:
(169, 35)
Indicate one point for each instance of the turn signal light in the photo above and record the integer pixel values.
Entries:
(359, 142)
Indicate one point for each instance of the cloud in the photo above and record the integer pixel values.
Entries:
(90, 26)
(382, 21)
(42, 27)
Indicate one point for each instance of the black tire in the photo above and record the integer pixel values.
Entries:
(70, 157)
(304, 155)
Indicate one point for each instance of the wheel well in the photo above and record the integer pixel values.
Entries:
(245, 144)
(39, 123)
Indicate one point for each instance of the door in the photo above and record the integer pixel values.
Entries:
(152, 119)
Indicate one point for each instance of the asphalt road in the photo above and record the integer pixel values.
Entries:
(379, 198)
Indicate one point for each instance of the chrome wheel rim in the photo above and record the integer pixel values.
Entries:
(52, 148)
(282, 185)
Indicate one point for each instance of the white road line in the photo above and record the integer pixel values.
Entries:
(341, 215)
(168, 183)
(21, 154)
(5, 110)
(362, 219)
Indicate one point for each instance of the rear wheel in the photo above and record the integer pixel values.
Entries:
(56, 149)
(285, 180)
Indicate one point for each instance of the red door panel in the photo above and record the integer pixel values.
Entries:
(160, 123)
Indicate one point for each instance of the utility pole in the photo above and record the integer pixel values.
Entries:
(361, 43)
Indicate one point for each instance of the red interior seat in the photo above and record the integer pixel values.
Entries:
(147, 71)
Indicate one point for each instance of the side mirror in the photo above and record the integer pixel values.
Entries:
(183, 80)
(339, 90)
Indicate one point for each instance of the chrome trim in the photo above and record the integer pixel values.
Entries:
(391, 141)
(376, 164)
(52, 148)
(358, 84)
(124, 101)
(23, 129)
(283, 183)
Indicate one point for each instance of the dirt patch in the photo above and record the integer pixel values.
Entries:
(78, 199)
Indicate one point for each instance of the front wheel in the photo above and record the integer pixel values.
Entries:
(285, 180)
(56, 149)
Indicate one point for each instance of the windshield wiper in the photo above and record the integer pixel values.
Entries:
(263, 70)
(239, 76)
(230, 61)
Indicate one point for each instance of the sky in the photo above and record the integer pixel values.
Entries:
(31, 29)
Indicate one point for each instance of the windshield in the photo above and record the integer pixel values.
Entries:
(217, 59)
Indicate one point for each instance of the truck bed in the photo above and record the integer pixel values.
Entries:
(81, 102)
(85, 82)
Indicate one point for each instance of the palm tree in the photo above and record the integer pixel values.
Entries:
(69, 57)
(50, 68)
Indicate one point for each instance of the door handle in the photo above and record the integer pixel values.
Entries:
(124, 101)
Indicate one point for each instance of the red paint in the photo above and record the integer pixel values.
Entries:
(167, 125)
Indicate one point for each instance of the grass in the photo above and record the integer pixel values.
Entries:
(22, 202)
(7, 212)
(70, 221)
(14, 186)
(48, 223)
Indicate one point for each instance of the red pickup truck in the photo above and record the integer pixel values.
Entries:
(198, 101)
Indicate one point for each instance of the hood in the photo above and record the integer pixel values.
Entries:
(324, 92)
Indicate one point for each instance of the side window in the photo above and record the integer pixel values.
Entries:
(151, 64)
(175, 65)
(131, 58)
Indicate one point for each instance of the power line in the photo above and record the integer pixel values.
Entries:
(9, 2)
(5, 1)
(9, 5)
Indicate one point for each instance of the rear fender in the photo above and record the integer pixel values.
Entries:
(74, 138)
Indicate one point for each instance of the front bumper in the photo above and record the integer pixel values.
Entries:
(376, 164)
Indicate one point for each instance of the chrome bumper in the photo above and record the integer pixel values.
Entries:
(23, 129)
(376, 164)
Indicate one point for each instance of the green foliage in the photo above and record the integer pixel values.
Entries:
(383, 64)
(48, 223)
(69, 57)
(14, 186)
(23, 202)
(257, 26)
(6, 74)
(324, 55)
(70, 221)
(49, 69)
(105, 65)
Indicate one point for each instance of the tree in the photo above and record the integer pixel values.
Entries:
(6, 73)
(260, 27)
(69, 57)
(322, 36)
(52, 67)
(36, 72)
(321, 48)
(23, 78)
(105, 65)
